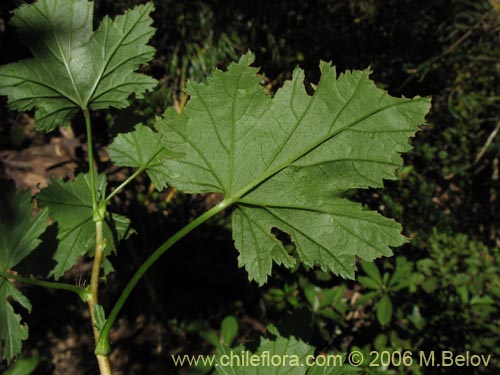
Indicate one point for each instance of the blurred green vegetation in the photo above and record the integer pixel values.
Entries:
(442, 290)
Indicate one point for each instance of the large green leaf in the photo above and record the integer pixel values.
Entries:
(19, 236)
(286, 162)
(74, 67)
(143, 149)
(70, 205)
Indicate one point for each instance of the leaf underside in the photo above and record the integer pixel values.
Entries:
(19, 236)
(74, 67)
(143, 149)
(287, 162)
(70, 205)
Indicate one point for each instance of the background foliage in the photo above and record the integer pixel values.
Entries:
(446, 198)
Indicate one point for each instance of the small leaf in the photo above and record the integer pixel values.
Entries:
(372, 270)
(365, 298)
(142, 149)
(70, 205)
(401, 277)
(311, 296)
(210, 336)
(74, 67)
(463, 292)
(333, 297)
(286, 162)
(12, 331)
(20, 233)
(384, 310)
(368, 282)
(430, 284)
(380, 342)
(482, 300)
(229, 330)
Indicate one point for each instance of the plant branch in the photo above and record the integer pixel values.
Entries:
(102, 347)
(492, 136)
(100, 245)
(99, 212)
(83, 293)
(124, 183)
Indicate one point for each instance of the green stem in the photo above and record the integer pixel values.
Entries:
(123, 184)
(90, 151)
(133, 176)
(102, 347)
(83, 293)
(99, 212)
(100, 245)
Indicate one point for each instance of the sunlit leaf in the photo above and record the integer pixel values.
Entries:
(286, 162)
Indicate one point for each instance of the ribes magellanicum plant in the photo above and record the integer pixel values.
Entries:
(282, 162)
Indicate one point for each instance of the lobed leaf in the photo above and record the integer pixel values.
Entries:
(286, 162)
(143, 149)
(19, 229)
(19, 236)
(70, 205)
(12, 331)
(74, 67)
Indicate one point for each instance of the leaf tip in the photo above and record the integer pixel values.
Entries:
(247, 59)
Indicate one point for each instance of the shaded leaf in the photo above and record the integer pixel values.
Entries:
(70, 205)
(40, 262)
(384, 310)
(286, 162)
(369, 283)
(229, 330)
(74, 67)
(403, 275)
(372, 270)
(365, 298)
(20, 233)
(12, 331)
(210, 336)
